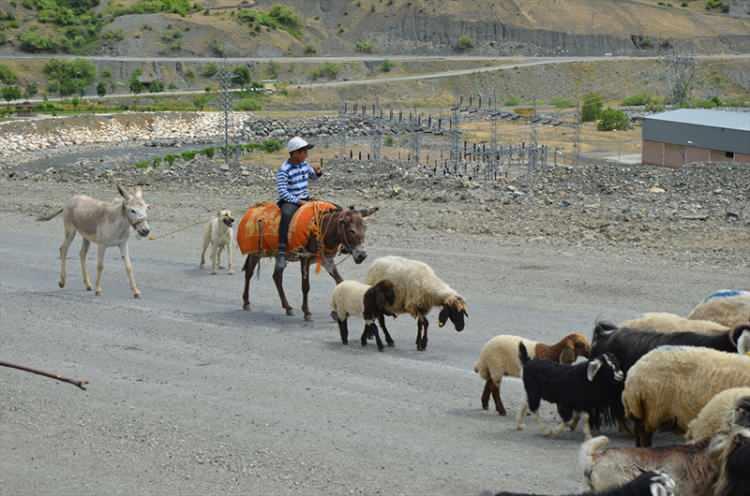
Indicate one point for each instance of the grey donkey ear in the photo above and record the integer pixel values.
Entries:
(593, 369)
(366, 212)
(123, 192)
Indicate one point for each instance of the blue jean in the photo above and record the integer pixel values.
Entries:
(287, 212)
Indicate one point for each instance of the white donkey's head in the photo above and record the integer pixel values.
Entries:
(135, 209)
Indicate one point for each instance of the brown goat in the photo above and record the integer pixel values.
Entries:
(499, 358)
(711, 467)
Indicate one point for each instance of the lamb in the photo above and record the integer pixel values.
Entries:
(352, 298)
(499, 358)
(730, 307)
(418, 290)
(647, 484)
(716, 416)
(710, 467)
(669, 322)
(577, 390)
(671, 385)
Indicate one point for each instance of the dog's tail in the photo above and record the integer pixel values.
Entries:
(45, 218)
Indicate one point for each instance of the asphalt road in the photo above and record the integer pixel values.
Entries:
(190, 395)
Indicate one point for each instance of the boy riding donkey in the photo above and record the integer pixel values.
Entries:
(291, 184)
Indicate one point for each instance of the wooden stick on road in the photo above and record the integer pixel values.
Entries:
(74, 382)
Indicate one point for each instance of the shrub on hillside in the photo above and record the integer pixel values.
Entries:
(465, 43)
(70, 77)
(637, 100)
(613, 119)
(6, 75)
(592, 107)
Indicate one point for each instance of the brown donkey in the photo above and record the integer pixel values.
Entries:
(339, 230)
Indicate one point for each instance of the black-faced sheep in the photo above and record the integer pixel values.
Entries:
(646, 484)
(418, 290)
(711, 467)
(716, 416)
(499, 358)
(729, 307)
(577, 390)
(352, 298)
(671, 385)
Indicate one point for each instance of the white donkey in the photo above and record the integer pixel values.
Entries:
(106, 224)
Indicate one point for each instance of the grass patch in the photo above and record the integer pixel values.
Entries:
(562, 103)
(181, 7)
(280, 17)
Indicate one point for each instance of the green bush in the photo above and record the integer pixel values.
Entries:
(637, 100)
(101, 89)
(209, 152)
(241, 75)
(200, 102)
(209, 70)
(6, 75)
(155, 87)
(364, 46)
(248, 104)
(612, 119)
(181, 7)
(32, 41)
(10, 93)
(327, 70)
(187, 156)
(562, 103)
(3, 38)
(388, 141)
(32, 89)
(170, 159)
(310, 50)
(143, 164)
(387, 66)
(512, 101)
(280, 17)
(271, 145)
(156, 162)
(592, 107)
(465, 43)
(70, 77)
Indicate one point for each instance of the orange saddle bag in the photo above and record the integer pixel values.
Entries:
(258, 231)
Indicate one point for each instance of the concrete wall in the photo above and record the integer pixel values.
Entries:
(669, 155)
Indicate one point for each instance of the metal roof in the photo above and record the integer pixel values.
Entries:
(739, 121)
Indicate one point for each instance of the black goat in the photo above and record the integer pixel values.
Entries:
(629, 345)
(577, 390)
(646, 484)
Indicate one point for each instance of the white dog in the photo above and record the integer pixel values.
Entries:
(219, 234)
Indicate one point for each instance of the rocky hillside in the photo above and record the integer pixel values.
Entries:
(330, 27)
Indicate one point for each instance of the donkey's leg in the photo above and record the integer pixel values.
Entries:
(331, 268)
(419, 333)
(100, 249)
(424, 334)
(249, 268)
(84, 251)
(305, 266)
(70, 233)
(278, 280)
(129, 269)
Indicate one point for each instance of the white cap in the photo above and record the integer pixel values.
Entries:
(297, 143)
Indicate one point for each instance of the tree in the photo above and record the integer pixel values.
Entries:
(70, 77)
(135, 84)
(6, 75)
(11, 93)
(32, 89)
(592, 107)
(241, 75)
(612, 119)
(101, 89)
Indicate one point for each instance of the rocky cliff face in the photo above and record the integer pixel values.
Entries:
(739, 8)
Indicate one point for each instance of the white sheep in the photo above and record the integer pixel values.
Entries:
(418, 290)
(671, 384)
(743, 344)
(499, 358)
(729, 307)
(352, 298)
(669, 322)
(716, 416)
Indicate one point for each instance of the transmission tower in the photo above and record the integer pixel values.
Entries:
(225, 99)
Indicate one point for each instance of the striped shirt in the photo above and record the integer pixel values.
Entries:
(291, 181)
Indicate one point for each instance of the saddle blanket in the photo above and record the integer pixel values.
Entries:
(726, 293)
(258, 231)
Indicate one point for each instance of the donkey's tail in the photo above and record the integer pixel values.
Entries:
(45, 218)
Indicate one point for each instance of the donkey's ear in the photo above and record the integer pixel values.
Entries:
(123, 192)
(366, 212)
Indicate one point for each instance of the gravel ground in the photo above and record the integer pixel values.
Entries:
(191, 395)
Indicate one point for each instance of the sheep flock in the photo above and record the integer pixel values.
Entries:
(655, 372)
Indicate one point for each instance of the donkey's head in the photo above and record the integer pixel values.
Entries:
(351, 231)
(135, 209)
